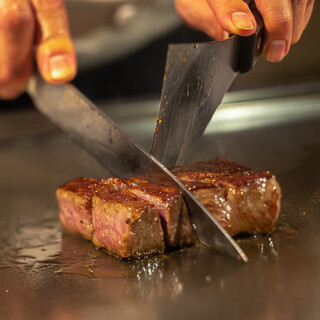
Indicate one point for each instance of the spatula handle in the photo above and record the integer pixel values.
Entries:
(247, 49)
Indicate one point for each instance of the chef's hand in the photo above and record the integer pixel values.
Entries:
(34, 28)
(284, 21)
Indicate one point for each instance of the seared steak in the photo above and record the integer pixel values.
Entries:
(243, 201)
(125, 225)
(122, 216)
(169, 203)
(131, 218)
(75, 202)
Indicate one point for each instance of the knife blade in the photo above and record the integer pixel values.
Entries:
(95, 132)
(197, 76)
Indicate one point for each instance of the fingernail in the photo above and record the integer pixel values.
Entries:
(242, 21)
(61, 67)
(276, 50)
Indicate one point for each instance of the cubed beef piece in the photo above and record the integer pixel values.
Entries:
(243, 201)
(125, 225)
(75, 202)
(169, 203)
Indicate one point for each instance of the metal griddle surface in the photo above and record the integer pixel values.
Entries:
(47, 275)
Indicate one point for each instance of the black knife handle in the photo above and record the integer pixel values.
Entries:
(247, 49)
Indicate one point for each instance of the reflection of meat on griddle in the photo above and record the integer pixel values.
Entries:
(132, 217)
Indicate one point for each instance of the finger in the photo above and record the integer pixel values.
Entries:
(234, 16)
(198, 15)
(16, 37)
(308, 12)
(277, 17)
(55, 52)
(298, 12)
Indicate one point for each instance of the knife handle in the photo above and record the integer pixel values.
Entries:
(247, 49)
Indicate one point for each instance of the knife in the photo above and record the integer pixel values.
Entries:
(95, 132)
(197, 76)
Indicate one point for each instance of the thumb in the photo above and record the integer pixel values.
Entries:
(55, 52)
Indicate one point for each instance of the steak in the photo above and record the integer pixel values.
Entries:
(131, 218)
(242, 201)
(127, 217)
(75, 202)
(177, 227)
(125, 225)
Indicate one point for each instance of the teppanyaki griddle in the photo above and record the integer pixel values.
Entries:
(47, 275)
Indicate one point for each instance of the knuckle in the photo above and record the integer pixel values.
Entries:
(50, 10)
(310, 3)
(281, 23)
(302, 3)
(44, 6)
(14, 17)
(299, 3)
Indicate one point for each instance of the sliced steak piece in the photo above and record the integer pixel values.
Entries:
(243, 201)
(177, 228)
(75, 202)
(125, 225)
